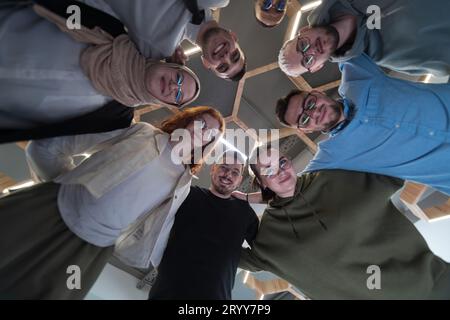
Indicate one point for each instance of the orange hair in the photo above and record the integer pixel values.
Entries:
(183, 118)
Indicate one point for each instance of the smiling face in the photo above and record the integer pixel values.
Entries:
(171, 85)
(276, 172)
(226, 177)
(203, 129)
(221, 53)
(321, 112)
(315, 45)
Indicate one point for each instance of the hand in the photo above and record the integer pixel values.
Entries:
(178, 57)
(239, 195)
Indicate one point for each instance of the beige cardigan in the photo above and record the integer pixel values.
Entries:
(122, 153)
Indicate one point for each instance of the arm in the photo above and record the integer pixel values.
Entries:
(249, 261)
(252, 229)
(254, 197)
(178, 57)
(49, 158)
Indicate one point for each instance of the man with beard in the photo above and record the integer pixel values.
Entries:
(381, 125)
(203, 250)
(402, 35)
(157, 27)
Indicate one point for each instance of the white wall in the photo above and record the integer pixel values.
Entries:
(115, 284)
(437, 235)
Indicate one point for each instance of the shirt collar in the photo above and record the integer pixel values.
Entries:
(161, 141)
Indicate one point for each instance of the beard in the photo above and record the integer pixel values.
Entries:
(222, 189)
(336, 114)
(334, 36)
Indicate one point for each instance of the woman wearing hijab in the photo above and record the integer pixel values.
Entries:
(47, 76)
(330, 231)
(124, 194)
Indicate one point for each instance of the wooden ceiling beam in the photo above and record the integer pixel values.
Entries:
(328, 86)
(272, 286)
(282, 133)
(301, 83)
(216, 14)
(141, 111)
(260, 70)
(229, 119)
(312, 146)
(5, 182)
(292, 8)
(238, 97)
(241, 124)
(22, 144)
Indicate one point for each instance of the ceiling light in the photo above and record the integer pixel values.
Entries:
(427, 78)
(311, 6)
(192, 51)
(297, 17)
(247, 273)
(25, 184)
(233, 148)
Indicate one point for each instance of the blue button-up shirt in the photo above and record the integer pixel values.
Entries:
(400, 128)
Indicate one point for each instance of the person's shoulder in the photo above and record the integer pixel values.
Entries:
(198, 190)
(244, 206)
(213, 4)
(361, 63)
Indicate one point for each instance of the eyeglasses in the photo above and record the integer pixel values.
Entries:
(179, 93)
(225, 169)
(280, 7)
(283, 164)
(303, 45)
(308, 104)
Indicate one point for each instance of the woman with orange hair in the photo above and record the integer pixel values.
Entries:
(125, 193)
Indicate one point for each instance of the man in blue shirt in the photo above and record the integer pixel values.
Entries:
(382, 125)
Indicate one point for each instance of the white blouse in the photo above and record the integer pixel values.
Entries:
(100, 221)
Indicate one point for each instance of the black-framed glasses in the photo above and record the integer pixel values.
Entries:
(303, 45)
(280, 7)
(283, 164)
(179, 93)
(308, 104)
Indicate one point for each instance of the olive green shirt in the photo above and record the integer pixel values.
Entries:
(326, 246)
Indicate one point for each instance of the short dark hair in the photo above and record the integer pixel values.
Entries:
(282, 105)
(238, 76)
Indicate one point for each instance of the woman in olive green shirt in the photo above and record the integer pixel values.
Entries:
(334, 234)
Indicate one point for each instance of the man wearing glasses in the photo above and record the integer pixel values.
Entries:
(380, 125)
(406, 39)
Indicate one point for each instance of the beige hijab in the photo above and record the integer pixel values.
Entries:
(114, 65)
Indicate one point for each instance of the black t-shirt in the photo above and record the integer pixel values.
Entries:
(204, 247)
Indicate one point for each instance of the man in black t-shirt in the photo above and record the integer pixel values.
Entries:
(205, 242)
